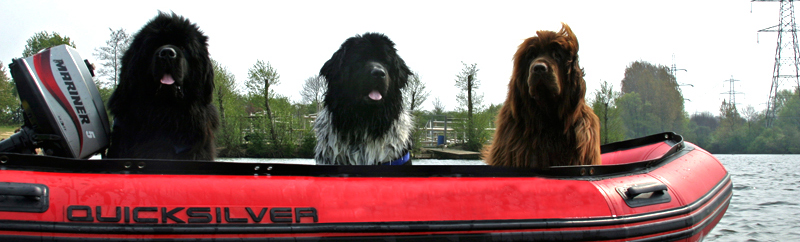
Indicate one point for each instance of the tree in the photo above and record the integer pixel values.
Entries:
(605, 107)
(43, 40)
(9, 101)
(438, 106)
(789, 122)
(706, 119)
(110, 56)
(729, 115)
(702, 126)
(632, 109)
(790, 113)
(313, 91)
(492, 111)
(261, 77)
(225, 96)
(467, 81)
(657, 88)
(730, 137)
(750, 114)
(415, 93)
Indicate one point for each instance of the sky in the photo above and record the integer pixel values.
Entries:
(713, 40)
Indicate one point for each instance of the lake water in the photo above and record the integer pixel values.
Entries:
(766, 199)
(765, 204)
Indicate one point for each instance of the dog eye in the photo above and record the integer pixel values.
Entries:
(558, 55)
(531, 53)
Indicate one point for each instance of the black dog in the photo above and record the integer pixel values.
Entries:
(162, 106)
(363, 121)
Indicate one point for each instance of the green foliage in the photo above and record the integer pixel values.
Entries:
(471, 103)
(776, 140)
(604, 106)
(291, 137)
(701, 128)
(491, 113)
(261, 77)
(307, 144)
(9, 101)
(659, 106)
(748, 133)
(246, 128)
(43, 40)
(789, 123)
(473, 137)
(638, 122)
(257, 145)
(789, 114)
(418, 133)
(228, 103)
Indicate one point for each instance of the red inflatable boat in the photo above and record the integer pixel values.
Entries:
(656, 188)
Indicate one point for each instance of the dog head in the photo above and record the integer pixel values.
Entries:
(168, 61)
(367, 70)
(546, 70)
(365, 77)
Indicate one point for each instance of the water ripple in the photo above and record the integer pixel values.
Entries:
(764, 205)
(777, 203)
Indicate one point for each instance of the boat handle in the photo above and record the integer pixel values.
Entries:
(31, 192)
(655, 188)
(24, 197)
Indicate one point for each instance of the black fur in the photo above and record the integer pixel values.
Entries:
(350, 81)
(363, 121)
(155, 120)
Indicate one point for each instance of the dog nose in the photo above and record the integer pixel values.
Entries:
(167, 53)
(539, 68)
(378, 73)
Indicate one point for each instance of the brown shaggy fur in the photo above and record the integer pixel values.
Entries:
(545, 120)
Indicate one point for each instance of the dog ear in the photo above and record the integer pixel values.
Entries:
(518, 86)
(403, 72)
(330, 70)
(208, 86)
(569, 36)
(128, 75)
(575, 87)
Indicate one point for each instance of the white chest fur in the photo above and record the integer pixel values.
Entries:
(333, 148)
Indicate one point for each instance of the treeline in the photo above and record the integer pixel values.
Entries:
(650, 102)
(260, 123)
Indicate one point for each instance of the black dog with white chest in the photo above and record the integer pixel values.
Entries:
(363, 121)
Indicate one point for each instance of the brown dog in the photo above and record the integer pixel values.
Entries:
(545, 120)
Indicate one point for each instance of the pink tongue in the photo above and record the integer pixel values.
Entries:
(375, 95)
(167, 80)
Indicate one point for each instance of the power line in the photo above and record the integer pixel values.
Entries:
(732, 91)
(786, 54)
(674, 70)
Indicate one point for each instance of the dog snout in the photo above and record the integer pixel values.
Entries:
(539, 68)
(167, 53)
(378, 73)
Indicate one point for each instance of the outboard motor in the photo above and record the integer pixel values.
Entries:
(64, 113)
